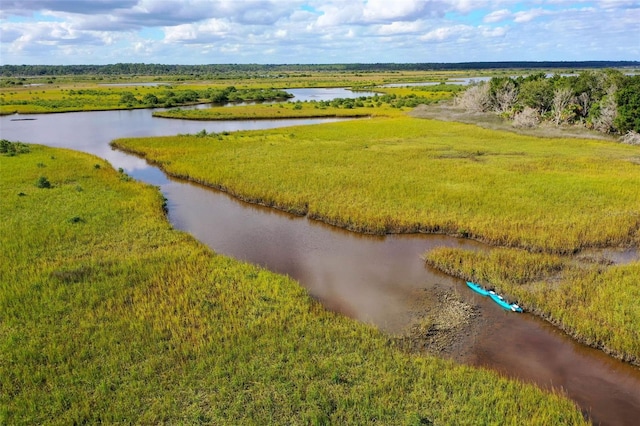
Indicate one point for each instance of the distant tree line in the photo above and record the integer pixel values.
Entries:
(217, 69)
(604, 100)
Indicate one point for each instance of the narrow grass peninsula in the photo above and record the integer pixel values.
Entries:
(110, 315)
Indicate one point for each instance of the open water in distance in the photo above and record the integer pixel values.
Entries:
(372, 279)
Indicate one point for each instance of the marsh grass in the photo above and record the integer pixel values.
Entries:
(267, 111)
(93, 97)
(70, 93)
(390, 104)
(118, 318)
(401, 174)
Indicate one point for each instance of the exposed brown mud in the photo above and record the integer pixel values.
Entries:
(441, 324)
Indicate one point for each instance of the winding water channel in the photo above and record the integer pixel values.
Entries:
(373, 279)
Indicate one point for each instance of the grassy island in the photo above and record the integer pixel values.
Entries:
(266, 112)
(110, 315)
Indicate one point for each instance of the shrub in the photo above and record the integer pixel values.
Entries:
(527, 118)
(43, 182)
(631, 138)
(12, 148)
(476, 98)
(628, 103)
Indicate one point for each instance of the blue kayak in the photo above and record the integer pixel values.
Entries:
(494, 296)
(478, 289)
(503, 303)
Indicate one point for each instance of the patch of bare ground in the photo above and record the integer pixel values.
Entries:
(446, 111)
(442, 324)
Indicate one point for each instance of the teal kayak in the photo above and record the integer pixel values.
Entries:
(503, 303)
(494, 296)
(478, 289)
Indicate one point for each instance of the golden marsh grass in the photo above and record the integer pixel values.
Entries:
(109, 315)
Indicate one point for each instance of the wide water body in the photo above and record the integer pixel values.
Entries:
(372, 279)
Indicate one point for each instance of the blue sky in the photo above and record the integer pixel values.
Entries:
(63, 32)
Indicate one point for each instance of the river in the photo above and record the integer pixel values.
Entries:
(370, 278)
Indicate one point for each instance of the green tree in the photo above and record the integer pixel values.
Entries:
(128, 98)
(628, 100)
(536, 94)
(150, 99)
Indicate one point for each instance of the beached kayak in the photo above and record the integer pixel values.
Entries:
(494, 296)
(503, 303)
(478, 289)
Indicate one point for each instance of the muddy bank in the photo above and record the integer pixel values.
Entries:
(442, 324)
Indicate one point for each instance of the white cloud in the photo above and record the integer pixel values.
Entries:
(530, 15)
(494, 32)
(400, 28)
(338, 15)
(316, 31)
(199, 32)
(382, 10)
(497, 16)
(447, 33)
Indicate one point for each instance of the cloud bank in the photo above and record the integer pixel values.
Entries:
(62, 32)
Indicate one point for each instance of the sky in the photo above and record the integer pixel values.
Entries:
(68, 32)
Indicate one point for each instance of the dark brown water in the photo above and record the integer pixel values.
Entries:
(365, 277)
(532, 350)
(372, 279)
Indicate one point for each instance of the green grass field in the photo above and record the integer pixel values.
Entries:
(95, 97)
(69, 93)
(109, 315)
(401, 174)
(390, 102)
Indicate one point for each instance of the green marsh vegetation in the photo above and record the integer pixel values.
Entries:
(110, 315)
(401, 174)
(543, 196)
(362, 106)
(92, 97)
(271, 111)
(65, 93)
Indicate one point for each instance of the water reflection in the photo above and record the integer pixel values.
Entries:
(366, 277)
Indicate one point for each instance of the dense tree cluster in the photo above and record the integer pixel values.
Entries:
(604, 100)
